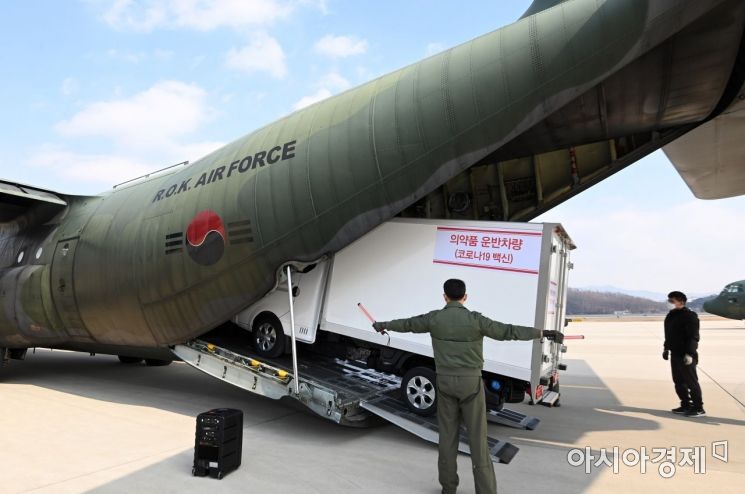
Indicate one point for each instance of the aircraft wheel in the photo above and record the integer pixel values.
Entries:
(129, 360)
(154, 362)
(419, 390)
(268, 337)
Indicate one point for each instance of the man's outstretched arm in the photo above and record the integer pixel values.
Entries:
(416, 324)
(501, 331)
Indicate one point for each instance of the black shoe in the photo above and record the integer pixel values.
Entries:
(680, 410)
(695, 412)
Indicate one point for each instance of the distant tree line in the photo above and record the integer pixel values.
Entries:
(698, 304)
(592, 302)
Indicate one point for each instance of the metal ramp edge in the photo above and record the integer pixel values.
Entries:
(512, 418)
(339, 391)
(331, 389)
(391, 410)
(237, 370)
(258, 377)
(550, 399)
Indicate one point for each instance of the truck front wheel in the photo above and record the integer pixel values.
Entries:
(419, 390)
(268, 337)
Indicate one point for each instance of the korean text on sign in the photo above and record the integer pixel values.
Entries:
(491, 249)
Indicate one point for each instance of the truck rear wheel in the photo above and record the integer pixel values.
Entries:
(268, 337)
(419, 390)
(494, 397)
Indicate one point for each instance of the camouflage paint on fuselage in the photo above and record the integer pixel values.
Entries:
(162, 261)
(730, 303)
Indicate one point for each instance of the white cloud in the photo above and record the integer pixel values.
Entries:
(129, 57)
(334, 82)
(165, 111)
(434, 48)
(310, 99)
(69, 86)
(97, 168)
(262, 54)
(201, 15)
(340, 46)
(321, 5)
(194, 151)
(197, 61)
(161, 54)
(137, 57)
(145, 132)
(692, 246)
(327, 86)
(103, 170)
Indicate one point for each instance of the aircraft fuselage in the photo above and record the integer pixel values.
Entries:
(730, 303)
(165, 259)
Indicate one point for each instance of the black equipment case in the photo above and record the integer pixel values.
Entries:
(219, 442)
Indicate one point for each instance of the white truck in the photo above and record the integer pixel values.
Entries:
(514, 273)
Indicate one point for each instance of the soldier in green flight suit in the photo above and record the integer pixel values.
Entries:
(457, 339)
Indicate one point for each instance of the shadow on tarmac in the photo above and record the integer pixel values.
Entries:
(587, 405)
(666, 414)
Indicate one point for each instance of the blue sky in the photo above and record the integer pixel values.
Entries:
(98, 91)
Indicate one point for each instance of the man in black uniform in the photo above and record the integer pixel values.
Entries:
(681, 345)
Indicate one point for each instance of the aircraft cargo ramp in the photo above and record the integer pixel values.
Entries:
(342, 391)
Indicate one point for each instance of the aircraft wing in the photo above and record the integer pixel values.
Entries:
(711, 157)
(16, 199)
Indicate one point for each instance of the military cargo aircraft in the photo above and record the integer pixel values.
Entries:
(730, 303)
(503, 127)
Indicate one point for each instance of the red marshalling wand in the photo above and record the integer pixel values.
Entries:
(372, 319)
(364, 311)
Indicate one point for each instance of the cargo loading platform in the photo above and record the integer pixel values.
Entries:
(342, 391)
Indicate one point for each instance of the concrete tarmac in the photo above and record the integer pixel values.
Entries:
(74, 423)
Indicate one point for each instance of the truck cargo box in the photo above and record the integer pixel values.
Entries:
(514, 273)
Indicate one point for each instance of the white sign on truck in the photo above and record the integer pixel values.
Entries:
(503, 250)
(514, 273)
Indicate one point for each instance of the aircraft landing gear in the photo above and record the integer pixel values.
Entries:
(154, 362)
(7, 354)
